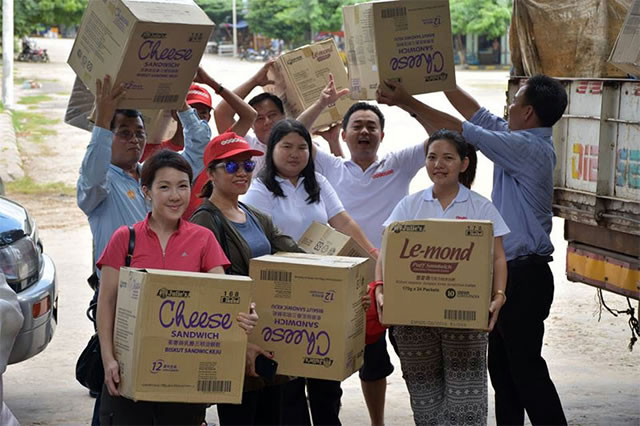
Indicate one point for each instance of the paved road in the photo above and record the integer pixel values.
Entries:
(596, 376)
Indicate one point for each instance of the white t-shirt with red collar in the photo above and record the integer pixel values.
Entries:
(370, 196)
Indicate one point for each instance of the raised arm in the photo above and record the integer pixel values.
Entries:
(197, 135)
(92, 182)
(393, 93)
(224, 112)
(328, 96)
(246, 114)
(463, 102)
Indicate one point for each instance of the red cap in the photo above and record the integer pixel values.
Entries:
(227, 145)
(198, 95)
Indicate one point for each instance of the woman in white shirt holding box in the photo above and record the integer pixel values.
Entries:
(289, 189)
(445, 369)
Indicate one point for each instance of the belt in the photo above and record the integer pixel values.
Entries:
(529, 259)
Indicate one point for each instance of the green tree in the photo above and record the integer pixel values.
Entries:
(220, 11)
(30, 15)
(295, 20)
(490, 18)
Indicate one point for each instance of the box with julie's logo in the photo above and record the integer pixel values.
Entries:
(311, 314)
(153, 47)
(300, 75)
(408, 41)
(438, 273)
(176, 337)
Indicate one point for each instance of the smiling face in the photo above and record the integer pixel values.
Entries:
(291, 155)
(363, 136)
(129, 139)
(231, 184)
(268, 115)
(444, 164)
(169, 193)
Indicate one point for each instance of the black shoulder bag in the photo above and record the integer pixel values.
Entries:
(89, 368)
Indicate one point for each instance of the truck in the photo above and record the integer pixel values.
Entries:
(597, 177)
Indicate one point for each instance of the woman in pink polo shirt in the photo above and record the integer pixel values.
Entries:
(162, 241)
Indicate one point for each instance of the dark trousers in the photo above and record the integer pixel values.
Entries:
(261, 407)
(324, 400)
(117, 410)
(95, 417)
(518, 372)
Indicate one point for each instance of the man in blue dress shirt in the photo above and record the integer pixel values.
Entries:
(524, 159)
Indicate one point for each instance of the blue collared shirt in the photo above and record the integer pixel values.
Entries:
(523, 163)
(109, 196)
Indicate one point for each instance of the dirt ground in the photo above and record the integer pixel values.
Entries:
(597, 378)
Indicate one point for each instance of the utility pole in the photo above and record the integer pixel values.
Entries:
(235, 28)
(7, 53)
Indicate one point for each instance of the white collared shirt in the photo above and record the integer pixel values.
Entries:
(467, 205)
(255, 143)
(369, 196)
(293, 215)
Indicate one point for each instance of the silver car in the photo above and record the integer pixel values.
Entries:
(32, 275)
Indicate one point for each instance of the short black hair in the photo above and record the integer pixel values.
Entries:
(362, 106)
(267, 97)
(131, 113)
(269, 172)
(548, 97)
(163, 158)
(464, 150)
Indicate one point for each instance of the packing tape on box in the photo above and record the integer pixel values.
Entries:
(307, 51)
(356, 15)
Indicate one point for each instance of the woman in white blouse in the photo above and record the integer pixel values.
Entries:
(295, 195)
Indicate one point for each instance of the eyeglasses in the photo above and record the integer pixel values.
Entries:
(127, 135)
(232, 166)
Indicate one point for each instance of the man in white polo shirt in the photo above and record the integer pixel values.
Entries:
(369, 188)
(269, 108)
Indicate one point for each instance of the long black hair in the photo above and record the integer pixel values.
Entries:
(269, 172)
(464, 150)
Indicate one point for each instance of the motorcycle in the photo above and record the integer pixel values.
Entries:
(32, 53)
(253, 55)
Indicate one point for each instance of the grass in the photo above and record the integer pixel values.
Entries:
(33, 125)
(27, 186)
(34, 99)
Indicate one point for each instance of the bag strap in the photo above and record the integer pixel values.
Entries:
(132, 244)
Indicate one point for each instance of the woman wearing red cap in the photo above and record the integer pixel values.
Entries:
(243, 233)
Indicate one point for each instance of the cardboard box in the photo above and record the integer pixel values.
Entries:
(176, 337)
(300, 75)
(153, 47)
(311, 314)
(324, 240)
(407, 41)
(438, 273)
(80, 113)
(626, 52)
